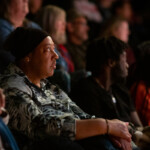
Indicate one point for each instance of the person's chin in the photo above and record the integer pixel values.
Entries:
(51, 73)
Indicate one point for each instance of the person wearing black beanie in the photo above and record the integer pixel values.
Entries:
(39, 110)
(22, 41)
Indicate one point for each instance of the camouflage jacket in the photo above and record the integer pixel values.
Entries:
(38, 112)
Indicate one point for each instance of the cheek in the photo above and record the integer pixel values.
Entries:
(61, 27)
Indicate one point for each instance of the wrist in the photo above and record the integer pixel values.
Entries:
(107, 126)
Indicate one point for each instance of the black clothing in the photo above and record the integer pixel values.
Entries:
(97, 101)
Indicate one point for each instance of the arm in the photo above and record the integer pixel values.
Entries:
(98, 127)
(2, 99)
(135, 119)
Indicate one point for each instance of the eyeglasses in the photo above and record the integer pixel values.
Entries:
(80, 23)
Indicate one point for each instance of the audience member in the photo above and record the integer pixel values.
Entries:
(39, 109)
(7, 140)
(104, 7)
(77, 35)
(53, 20)
(34, 7)
(12, 15)
(90, 10)
(123, 9)
(101, 94)
(118, 27)
(140, 89)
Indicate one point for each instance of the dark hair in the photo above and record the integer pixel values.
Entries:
(101, 50)
(110, 25)
(118, 4)
(73, 14)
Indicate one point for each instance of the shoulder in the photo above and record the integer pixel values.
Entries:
(33, 25)
(138, 87)
(14, 81)
(4, 24)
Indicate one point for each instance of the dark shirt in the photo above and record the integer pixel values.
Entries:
(97, 101)
(77, 53)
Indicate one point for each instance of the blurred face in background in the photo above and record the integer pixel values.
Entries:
(80, 29)
(126, 11)
(35, 5)
(18, 9)
(106, 3)
(59, 36)
(121, 31)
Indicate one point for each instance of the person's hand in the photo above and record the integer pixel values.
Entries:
(121, 143)
(2, 100)
(119, 128)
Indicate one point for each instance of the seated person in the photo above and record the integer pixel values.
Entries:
(77, 36)
(39, 109)
(101, 94)
(7, 140)
(12, 15)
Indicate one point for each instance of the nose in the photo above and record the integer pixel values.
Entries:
(26, 6)
(55, 55)
(127, 65)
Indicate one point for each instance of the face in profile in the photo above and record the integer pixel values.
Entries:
(80, 29)
(43, 59)
(121, 31)
(59, 34)
(35, 5)
(120, 70)
(126, 11)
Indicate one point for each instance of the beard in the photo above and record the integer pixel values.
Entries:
(117, 74)
(60, 38)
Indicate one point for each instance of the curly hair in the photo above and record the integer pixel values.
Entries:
(101, 50)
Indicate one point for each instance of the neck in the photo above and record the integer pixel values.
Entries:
(34, 80)
(104, 81)
(32, 77)
(16, 23)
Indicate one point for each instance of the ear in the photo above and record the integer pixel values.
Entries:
(111, 63)
(70, 27)
(27, 59)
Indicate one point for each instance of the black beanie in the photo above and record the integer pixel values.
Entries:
(22, 41)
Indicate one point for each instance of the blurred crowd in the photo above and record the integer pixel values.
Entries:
(102, 59)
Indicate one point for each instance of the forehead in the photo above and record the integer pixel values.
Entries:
(47, 41)
(81, 18)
